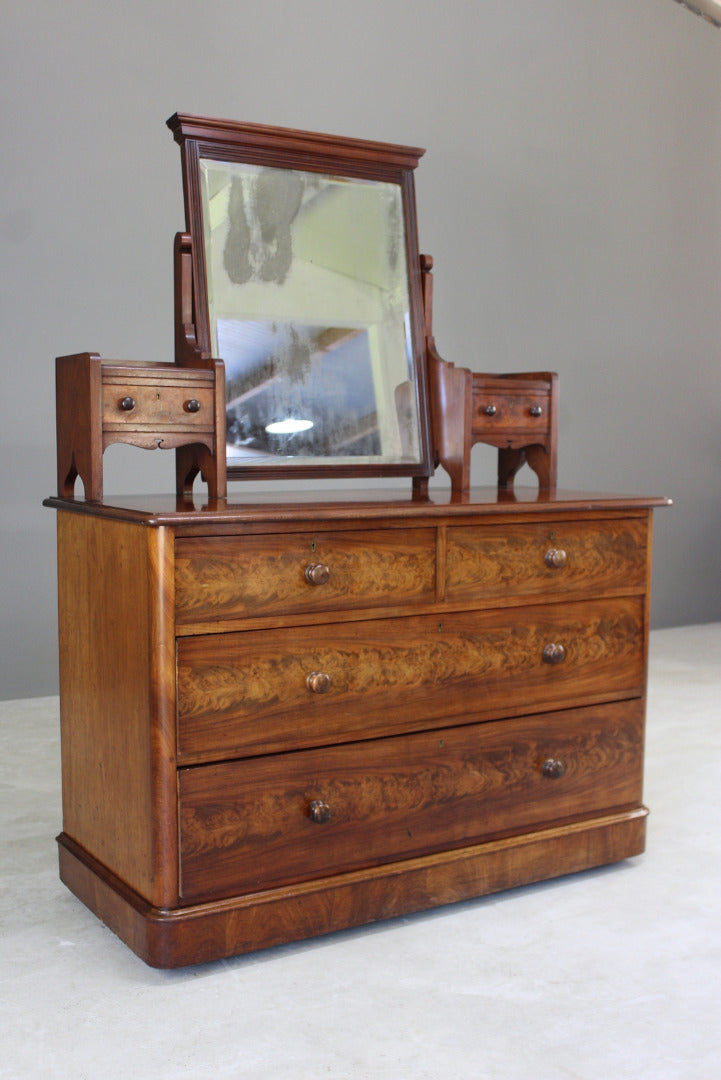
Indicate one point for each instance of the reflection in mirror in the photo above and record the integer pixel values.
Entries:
(309, 309)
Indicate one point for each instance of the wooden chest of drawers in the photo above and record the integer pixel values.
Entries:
(283, 719)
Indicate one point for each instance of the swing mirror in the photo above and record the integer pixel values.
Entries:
(306, 284)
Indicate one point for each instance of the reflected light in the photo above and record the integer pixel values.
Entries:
(288, 427)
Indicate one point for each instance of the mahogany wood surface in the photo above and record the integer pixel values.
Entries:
(560, 558)
(183, 406)
(265, 575)
(245, 825)
(248, 692)
(117, 675)
(281, 718)
(78, 416)
(291, 146)
(196, 458)
(152, 406)
(217, 929)
(249, 506)
(240, 577)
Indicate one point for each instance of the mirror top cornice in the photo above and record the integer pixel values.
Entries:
(216, 135)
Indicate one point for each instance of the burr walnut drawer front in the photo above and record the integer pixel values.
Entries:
(268, 690)
(551, 558)
(242, 577)
(256, 823)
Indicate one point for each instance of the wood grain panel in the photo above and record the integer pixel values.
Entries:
(116, 699)
(424, 753)
(490, 562)
(247, 825)
(232, 577)
(248, 692)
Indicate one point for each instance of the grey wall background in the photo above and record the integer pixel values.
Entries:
(571, 197)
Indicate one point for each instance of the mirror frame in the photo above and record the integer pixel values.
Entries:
(254, 144)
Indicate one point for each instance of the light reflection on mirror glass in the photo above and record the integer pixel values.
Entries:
(308, 301)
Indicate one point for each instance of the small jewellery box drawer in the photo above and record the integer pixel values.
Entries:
(510, 414)
(263, 691)
(244, 577)
(175, 405)
(552, 558)
(253, 824)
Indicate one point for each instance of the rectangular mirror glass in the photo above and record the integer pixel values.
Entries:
(309, 310)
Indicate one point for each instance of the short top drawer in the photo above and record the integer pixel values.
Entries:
(244, 577)
(523, 560)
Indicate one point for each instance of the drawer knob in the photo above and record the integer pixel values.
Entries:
(319, 812)
(317, 574)
(318, 682)
(192, 406)
(127, 404)
(555, 558)
(553, 653)
(490, 410)
(536, 410)
(553, 768)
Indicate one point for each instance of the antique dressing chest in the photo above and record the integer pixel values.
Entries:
(285, 714)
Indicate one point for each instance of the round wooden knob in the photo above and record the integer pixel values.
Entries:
(553, 653)
(192, 406)
(536, 410)
(318, 682)
(553, 768)
(127, 404)
(317, 574)
(319, 812)
(555, 558)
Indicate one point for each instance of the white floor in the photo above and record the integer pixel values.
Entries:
(613, 974)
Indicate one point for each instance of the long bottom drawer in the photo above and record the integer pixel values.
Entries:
(251, 824)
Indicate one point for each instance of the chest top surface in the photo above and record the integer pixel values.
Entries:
(276, 508)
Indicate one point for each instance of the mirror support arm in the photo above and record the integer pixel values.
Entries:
(197, 458)
(517, 413)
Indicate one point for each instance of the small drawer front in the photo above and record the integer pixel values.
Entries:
(245, 577)
(160, 407)
(262, 691)
(249, 825)
(491, 562)
(510, 413)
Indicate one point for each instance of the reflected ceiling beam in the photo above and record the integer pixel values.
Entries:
(252, 391)
(327, 340)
